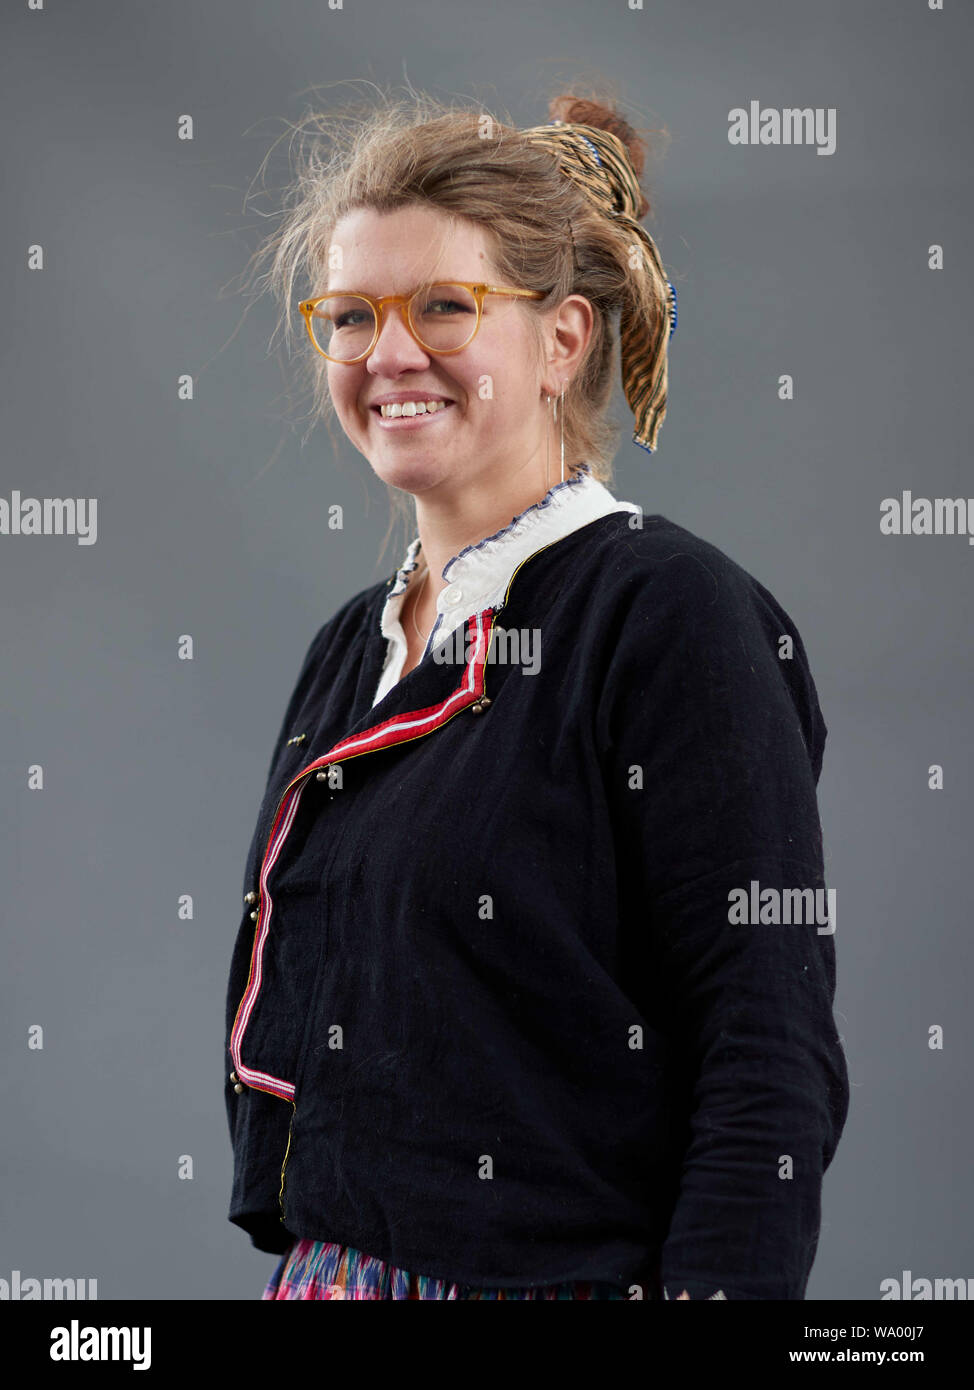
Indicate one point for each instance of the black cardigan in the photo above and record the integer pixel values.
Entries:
(490, 1016)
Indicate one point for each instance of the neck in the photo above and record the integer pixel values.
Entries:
(447, 523)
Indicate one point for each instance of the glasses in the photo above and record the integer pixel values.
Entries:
(442, 318)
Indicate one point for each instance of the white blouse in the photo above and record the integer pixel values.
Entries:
(477, 577)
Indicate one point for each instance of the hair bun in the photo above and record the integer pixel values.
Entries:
(578, 110)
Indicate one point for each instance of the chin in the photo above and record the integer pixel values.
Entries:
(411, 475)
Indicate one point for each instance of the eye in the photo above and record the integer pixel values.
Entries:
(445, 306)
(445, 300)
(351, 318)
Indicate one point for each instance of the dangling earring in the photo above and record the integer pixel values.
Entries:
(561, 397)
(546, 449)
(562, 413)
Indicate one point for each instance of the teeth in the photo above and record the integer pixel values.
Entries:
(392, 412)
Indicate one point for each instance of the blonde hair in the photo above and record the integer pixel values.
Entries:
(542, 231)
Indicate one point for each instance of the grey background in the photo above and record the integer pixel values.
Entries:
(212, 521)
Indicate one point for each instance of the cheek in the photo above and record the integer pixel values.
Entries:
(343, 393)
(510, 372)
(520, 367)
(515, 386)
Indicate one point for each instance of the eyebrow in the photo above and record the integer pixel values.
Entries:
(434, 280)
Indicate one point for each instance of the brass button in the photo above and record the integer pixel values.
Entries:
(238, 1088)
(480, 705)
(234, 1076)
(322, 774)
(254, 916)
(251, 897)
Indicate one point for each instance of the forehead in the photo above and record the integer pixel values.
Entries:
(392, 252)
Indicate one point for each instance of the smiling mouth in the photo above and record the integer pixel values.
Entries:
(410, 410)
(410, 415)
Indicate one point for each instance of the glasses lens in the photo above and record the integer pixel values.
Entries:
(343, 326)
(443, 316)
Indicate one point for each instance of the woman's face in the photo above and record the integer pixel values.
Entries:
(494, 425)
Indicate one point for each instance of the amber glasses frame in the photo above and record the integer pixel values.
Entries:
(404, 301)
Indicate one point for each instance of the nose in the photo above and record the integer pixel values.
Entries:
(396, 349)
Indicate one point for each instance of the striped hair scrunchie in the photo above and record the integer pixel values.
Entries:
(598, 163)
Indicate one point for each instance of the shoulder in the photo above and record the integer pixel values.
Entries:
(653, 559)
(350, 619)
(688, 620)
(342, 632)
(662, 575)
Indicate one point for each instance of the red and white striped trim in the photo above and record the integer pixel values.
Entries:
(400, 728)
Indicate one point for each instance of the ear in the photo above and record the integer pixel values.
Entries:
(567, 333)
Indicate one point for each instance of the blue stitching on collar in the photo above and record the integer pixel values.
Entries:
(583, 471)
(410, 563)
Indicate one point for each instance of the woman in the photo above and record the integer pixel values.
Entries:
(496, 1025)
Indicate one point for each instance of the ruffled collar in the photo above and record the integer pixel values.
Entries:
(480, 572)
(559, 501)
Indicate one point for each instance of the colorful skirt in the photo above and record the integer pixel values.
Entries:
(322, 1269)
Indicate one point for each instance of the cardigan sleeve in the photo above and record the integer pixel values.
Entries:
(711, 741)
